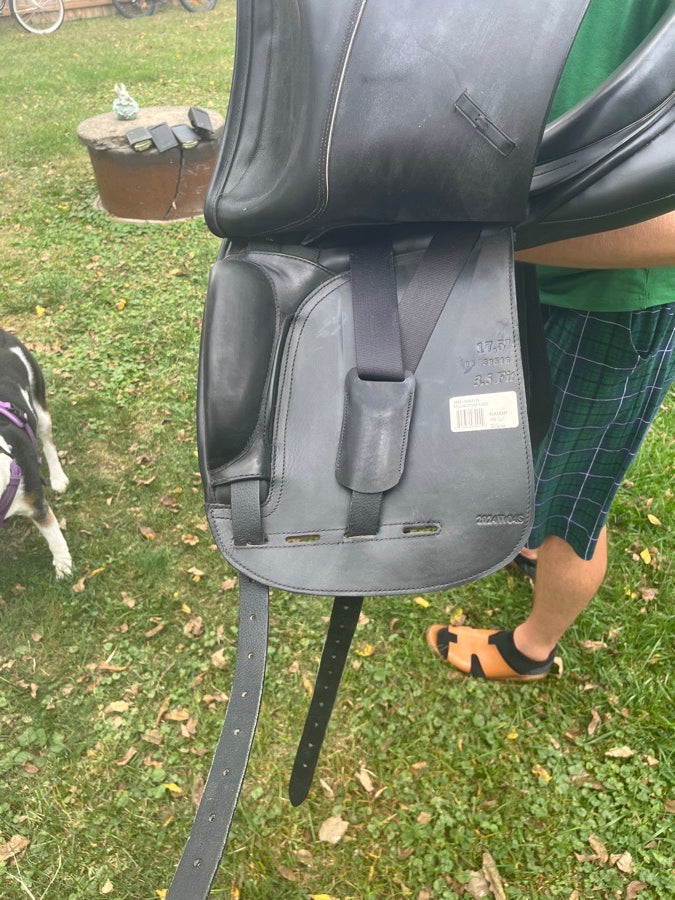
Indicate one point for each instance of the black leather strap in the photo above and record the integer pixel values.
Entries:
(364, 514)
(205, 845)
(343, 621)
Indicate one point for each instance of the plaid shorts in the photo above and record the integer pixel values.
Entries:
(610, 372)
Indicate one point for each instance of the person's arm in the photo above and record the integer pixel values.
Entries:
(648, 244)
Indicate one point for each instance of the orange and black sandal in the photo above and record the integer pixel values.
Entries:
(484, 653)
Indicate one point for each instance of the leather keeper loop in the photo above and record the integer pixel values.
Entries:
(374, 434)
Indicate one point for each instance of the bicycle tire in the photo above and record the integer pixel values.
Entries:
(38, 16)
(198, 5)
(134, 9)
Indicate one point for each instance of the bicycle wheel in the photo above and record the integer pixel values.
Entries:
(38, 16)
(198, 5)
(134, 9)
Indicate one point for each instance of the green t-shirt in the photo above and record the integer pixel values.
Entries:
(610, 32)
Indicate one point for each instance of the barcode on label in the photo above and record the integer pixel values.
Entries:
(484, 412)
(470, 419)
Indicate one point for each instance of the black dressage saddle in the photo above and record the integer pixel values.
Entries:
(371, 361)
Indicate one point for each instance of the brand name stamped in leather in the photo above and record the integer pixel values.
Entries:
(500, 519)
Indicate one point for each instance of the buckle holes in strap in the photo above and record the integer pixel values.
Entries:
(237, 731)
(226, 772)
(212, 817)
(197, 863)
(251, 655)
(244, 694)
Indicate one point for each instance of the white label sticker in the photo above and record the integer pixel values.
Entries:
(484, 412)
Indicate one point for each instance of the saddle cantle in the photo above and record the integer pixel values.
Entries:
(371, 361)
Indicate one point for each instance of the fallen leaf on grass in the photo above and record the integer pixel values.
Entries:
(333, 830)
(365, 650)
(421, 601)
(599, 848)
(13, 848)
(128, 756)
(189, 539)
(173, 788)
(153, 631)
(330, 793)
(595, 721)
(634, 888)
(218, 659)
(363, 777)
(117, 706)
(305, 857)
(177, 715)
(194, 628)
(196, 573)
(623, 862)
(424, 818)
(321, 897)
(147, 532)
(592, 646)
(493, 877)
(78, 587)
(477, 886)
(107, 887)
(669, 806)
(620, 753)
(541, 772)
(228, 584)
(654, 520)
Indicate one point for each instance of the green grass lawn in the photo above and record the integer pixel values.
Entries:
(112, 685)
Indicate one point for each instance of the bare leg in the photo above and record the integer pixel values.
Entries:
(57, 477)
(564, 586)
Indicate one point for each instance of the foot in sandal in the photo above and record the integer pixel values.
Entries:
(489, 654)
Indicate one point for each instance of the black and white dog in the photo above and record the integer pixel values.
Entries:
(23, 415)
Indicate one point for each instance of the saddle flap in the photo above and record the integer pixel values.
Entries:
(463, 505)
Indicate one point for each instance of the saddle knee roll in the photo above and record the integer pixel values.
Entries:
(237, 356)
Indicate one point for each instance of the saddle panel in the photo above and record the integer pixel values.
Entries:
(309, 76)
(453, 516)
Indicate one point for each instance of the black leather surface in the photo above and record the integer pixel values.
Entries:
(454, 479)
(343, 113)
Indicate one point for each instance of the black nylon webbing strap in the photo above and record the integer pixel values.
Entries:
(205, 845)
(343, 621)
(377, 331)
(431, 285)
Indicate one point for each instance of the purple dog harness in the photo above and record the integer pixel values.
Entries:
(19, 418)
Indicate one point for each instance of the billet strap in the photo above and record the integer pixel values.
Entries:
(206, 843)
(343, 621)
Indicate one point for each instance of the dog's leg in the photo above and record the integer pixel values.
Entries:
(49, 527)
(57, 477)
